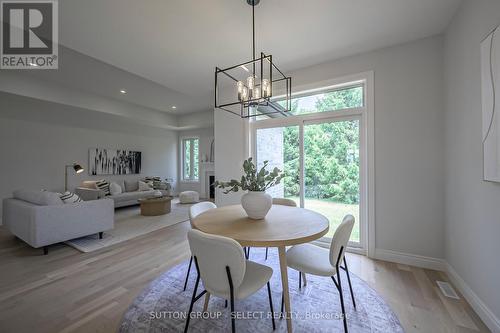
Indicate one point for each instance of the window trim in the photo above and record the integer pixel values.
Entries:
(191, 179)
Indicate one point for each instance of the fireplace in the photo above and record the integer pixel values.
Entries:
(211, 181)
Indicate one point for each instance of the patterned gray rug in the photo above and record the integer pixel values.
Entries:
(163, 305)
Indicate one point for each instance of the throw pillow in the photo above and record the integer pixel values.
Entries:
(69, 197)
(114, 188)
(103, 185)
(131, 186)
(144, 186)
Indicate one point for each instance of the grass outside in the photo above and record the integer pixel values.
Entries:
(335, 212)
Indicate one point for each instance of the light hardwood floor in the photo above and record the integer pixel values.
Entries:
(68, 291)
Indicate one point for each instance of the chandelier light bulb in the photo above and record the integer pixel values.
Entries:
(251, 82)
(256, 93)
(266, 88)
(244, 93)
(240, 87)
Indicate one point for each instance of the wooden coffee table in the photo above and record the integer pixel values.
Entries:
(155, 206)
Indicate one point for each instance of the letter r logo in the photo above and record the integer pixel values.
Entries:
(27, 27)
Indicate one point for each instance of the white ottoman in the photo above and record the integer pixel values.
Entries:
(189, 197)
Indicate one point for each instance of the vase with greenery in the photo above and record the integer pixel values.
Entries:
(256, 201)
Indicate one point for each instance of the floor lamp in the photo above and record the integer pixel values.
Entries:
(78, 169)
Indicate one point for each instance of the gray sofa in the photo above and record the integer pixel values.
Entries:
(129, 196)
(41, 218)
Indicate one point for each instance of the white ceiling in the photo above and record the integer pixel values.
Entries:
(178, 43)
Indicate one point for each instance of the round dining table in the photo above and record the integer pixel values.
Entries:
(283, 226)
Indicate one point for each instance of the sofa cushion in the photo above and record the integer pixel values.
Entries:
(131, 185)
(129, 196)
(41, 198)
(121, 183)
(114, 188)
(143, 186)
(69, 197)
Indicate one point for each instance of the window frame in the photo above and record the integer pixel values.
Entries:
(192, 161)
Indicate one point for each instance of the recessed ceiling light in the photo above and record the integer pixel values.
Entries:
(123, 91)
(174, 107)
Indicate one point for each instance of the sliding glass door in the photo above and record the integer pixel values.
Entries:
(331, 171)
(321, 161)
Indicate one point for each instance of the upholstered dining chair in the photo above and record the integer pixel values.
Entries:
(222, 266)
(194, 211)
(312, 259)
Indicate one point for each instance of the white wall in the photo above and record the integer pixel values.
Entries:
(34, 152)
(231, 149)
(472, 227)
(206, 135)
(409, 152)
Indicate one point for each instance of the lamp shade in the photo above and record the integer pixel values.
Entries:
(78, 168)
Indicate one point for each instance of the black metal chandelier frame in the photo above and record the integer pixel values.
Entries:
(261, 105)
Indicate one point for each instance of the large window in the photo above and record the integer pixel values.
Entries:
(190, 159)
(322, 148)
(328, 100)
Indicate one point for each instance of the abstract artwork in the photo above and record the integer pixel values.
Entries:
(490, 95)
(114, 161)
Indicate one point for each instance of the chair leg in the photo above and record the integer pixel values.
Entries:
(282, 305)
(231, 292)
(349, 280)
(341, 294)
(192, 302)
(101, 234)
(45, 250)
(187, 274)
(267, 249)
(271, 304)
(245, 249)
(300, 280)
(233, 323)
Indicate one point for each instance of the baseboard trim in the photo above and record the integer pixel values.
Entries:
(482, 310)
(410, 259)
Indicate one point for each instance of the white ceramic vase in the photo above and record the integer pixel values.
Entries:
(256, 204)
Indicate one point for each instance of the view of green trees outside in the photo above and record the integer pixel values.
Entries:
(331, 158)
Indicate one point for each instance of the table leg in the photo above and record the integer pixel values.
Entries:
(284, 283)
(207, 300)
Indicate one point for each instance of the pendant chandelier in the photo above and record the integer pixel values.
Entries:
(253, 88)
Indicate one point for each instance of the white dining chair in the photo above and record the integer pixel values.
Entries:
(282, 202)
(312, 259)
(194, 211)
(222, 266)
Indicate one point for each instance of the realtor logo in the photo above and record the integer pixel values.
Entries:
(29, 34)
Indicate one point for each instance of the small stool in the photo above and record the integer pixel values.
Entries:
(189, 197)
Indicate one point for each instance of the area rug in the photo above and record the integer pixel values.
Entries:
(163, 305)
(129, 223)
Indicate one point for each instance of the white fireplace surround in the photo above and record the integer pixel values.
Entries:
(207, 171)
